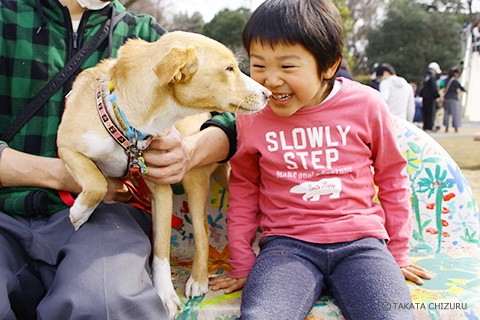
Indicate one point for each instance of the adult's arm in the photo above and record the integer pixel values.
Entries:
(19, 169)
(433, 87)
(168, 158)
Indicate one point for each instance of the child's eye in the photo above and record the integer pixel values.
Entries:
(258, 66)
(288, 66)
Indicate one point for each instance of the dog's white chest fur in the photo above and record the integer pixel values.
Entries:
(107, 154)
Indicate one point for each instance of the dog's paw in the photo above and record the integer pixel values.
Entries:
(79, 215)
(195, 288)
(162, 282)
(170, 299)
(172, 304)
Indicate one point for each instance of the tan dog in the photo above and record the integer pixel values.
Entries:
(196, 184)
(155, 85)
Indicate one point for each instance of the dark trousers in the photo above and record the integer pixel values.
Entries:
(49, 271)
(428, 113)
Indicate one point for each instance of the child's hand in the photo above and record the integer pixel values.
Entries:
(225, 282)
(414, 273)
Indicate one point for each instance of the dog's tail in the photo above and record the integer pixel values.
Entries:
(222, 174)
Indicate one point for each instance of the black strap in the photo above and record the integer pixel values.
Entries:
(60, 78)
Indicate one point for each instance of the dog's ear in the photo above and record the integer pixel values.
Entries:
(179, 64)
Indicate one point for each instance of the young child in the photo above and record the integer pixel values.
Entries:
(303, 173)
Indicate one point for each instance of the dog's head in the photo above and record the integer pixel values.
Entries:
(204, 74)
(198, 72)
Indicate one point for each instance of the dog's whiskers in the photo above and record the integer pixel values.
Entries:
(238, 106)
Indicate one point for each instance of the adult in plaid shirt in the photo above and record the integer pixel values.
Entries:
(48, 271)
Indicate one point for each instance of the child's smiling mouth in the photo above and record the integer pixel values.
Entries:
(282, 97)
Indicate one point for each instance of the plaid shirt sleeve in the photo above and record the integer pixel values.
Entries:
(29, 57)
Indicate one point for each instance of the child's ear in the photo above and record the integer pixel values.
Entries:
(330, 72)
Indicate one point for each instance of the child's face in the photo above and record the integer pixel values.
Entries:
(290, 72)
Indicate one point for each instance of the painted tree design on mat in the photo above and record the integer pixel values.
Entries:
(436, 184)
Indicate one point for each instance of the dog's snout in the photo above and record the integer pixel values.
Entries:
(267, 94)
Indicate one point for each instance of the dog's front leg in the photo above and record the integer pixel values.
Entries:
(162, 206)
(92, 181)
(197, 185)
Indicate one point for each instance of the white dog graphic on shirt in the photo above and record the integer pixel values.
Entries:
(314, 189)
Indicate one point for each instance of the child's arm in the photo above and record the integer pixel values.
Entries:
(393, 186)
(243, 216)
(394, 195)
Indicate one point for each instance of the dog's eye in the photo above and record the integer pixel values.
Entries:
(230, 69)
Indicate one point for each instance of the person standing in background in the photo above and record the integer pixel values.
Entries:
(397, 92)
(450, 100)
(344, 70)
(476, 37)
(374, 82)
(429, 93)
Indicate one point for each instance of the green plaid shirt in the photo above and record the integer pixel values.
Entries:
(31, 53)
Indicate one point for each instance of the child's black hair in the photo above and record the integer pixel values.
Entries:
(314, 24)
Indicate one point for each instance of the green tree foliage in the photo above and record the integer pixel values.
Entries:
(347, 20)
(364, 15)
(182, 22)
(227, 26)
(452, 6)
(412, 36)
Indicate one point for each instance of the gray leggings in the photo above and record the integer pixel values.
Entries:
(289, 276)
(49, 271)
(452, 108)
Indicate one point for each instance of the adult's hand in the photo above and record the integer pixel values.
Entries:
(167, 158)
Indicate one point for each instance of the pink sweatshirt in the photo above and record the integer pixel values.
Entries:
(309, 176)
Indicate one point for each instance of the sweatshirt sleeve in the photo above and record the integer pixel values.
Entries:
(411, 106)
(394, 190)
(384, 90)
(243, 211)
(460, 86)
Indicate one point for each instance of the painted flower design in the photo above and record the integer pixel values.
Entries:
(218, 260)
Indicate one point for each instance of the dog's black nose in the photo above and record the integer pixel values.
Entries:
(267, 94)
